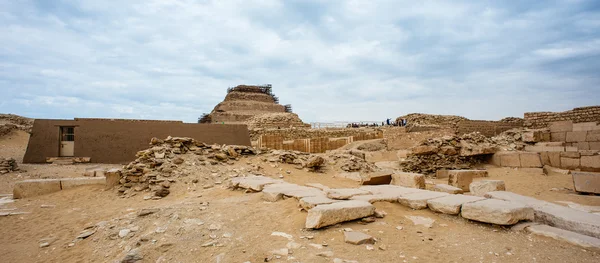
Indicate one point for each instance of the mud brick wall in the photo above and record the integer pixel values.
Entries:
(543, 119)
(487, 128)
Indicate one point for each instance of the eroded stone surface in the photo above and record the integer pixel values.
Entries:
(451, 204)
(331, 214)
(310, 202)
(496, 211)
(419, 200)
(255, 183)
(358, 238)
(412, 180)
(345, 193)
(444, 188)
(480, 188)
(564, 235)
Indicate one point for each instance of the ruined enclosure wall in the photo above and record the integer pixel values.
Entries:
(543, 119)
(487, 128)
(300, 133)
(313, 145)
(117, 141)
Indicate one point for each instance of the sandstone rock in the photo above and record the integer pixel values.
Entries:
(162, 192)
(112, 178)
(480, 188)
(447, 189)
(419, 200)
(497, 212)
(330, 214)
(451, 204)
(315, 162)
(358, 238)
(412, 180)
(345, 193)
(424, 150)
(148, 211)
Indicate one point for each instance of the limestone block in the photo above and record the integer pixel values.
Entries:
(345, 193)
(68, 183)
(571, 149)
(310, 202)
(558, 136)
(590, 163)
(497, 212)
(112, 178)
(463, 178)
(556, 215)
(586, 182)
(419, 200)
(255, 183)
(480, 188)
(564, 235)
(569, 163)
(561, 126)
(412, 180)
(550, 158)
(358, 238)
(550, 171)
(510, 160)
(578, 136)
(444, 188)
(582, 145)
(593, 136)
(570, 154)
(378, 178)
(424, 150)
(331, 214)
(530, 160)
(392, 165)
(595, 146)
(31, 188)
(441, 174)
(451, 204)
(584, 126)
(536, 148)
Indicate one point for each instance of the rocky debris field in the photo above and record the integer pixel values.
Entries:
(8, 165)
(11, 122)
(458, 152)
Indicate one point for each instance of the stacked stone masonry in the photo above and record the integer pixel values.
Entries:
(313, 145)
(577, 115)
(487, 128)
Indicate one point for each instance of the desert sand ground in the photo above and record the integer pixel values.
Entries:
(216, 224)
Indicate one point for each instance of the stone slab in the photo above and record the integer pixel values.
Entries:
(561, 126)
(463, 178)
(495, 211)
(564, 235)
(419, 200)
(558, 136)
(595, 146)
(591, 163)
(582, 145)
(569, 163)
(393, 165)
(584, 126)
(68, 183)
(576, 136)
(255, 183)
(444, 188)
(552, 171)
(345, 193)
(112, 178)
(586, 182)
(378, 178)
(441, 174)
(310, 202)
(570, 154)
(530, 160)
(451, 204)
(555, 215)
(275, 192)
(31, 188)
(510, 159)
(480, 188)
(331, 214)
(354, 176)
(358, 238)
(412, 180)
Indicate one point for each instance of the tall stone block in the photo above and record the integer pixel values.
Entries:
(530, 160)
(578, 136)
(586, 182)
(412, 180)
(463, 178)
(561, 126)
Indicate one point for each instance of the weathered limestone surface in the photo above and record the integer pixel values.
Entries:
(555, 215)
(447, 189)
(358, 238)
(331, 214)
(30, 188)
(255, 183)
(112, 178)
(451, 204)
(585, 182)
(419, 200)
(480, 188)
(530, 160)
(68, 183)
(564, 235)
(496, 211)
(310, 202)
(378, 178)
(463, 178)
(354, 176)
(551, 171)
(345, 193)
(412, 180)
(275, 192)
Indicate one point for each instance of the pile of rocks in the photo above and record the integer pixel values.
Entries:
(276, 120)
(8, 165)
(157, 167)
(11, 122)
(351, 161)
(449, 152)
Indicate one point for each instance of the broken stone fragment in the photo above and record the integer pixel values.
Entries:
(358, 238)
(451, 204)
(345, 193)
(497, 212)
(483, 187)
(331, 214)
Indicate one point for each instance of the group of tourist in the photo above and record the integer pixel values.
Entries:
(388, 122)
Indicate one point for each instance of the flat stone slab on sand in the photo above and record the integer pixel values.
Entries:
(419, 200)
(255, 183)
(564, 235)
(358, 238)
(555, 215)
(275, 192)
(345, 193)
(331, 214)
(444, 188)
(310, 202)
(496, 211)
(451, 204)
(68, 183)
(482, 187)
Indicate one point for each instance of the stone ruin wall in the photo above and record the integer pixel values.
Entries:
(313, 145)
(300, 133)
(536, 120)
(487, 128)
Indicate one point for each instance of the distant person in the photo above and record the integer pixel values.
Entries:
(404, 122)
(387, 121)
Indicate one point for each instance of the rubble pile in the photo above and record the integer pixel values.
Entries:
(449, 152)
(276, 120)
(515, 120)
(351, 161)
(510, 140)
(301, 159)
(166, 160)
(8, 165)
(427, 120)
(11, 122)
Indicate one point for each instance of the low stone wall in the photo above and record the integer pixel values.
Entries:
(487, 128)
(313, 145)
(577, 115)
(301, 133)
(582, 136)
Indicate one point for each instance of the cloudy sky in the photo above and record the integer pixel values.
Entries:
(332, 60)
